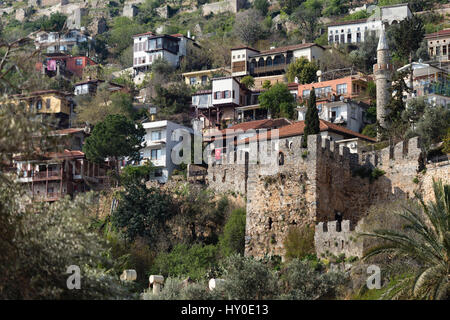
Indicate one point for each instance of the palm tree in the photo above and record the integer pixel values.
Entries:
(427, 243)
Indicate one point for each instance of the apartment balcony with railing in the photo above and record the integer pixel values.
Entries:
(47, 175)
(269, 69)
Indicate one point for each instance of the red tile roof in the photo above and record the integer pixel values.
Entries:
(442, 33)
(289, 48)
(143, 34)
(66, 131)
(65, 154)
(244, 126)
(297, 128)
(245, 47)
(343, 23)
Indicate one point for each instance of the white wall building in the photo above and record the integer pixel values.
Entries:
(347, 113)
(147, 47)
(160, 140)
(53, 42)
(356, 31)
(245, 60)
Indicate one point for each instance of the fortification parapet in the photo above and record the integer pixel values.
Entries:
(337, 238)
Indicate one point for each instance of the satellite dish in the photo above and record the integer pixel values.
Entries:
(319, 73)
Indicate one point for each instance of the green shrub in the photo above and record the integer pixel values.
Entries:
(186, 261)
(303, 281)
(247, 279)
(233, 238)
(174, 289)
(376, 173)
(299, 242)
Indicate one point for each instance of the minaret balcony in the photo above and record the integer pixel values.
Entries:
(383, 67)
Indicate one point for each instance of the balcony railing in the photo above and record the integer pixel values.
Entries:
(268, 69)
(47, 174)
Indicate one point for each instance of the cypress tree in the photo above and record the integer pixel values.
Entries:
(312, 125)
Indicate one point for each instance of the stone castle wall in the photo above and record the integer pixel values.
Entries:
(222, 6)
(312, 185)
(331, 240)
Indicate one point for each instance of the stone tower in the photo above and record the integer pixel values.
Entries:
(382, 71)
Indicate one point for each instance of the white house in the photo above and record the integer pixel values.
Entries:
(52, 42)
(147, 47)
(355, 31)
(347, 113)
(245, 60)
(160, 140)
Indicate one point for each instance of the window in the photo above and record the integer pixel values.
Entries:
(158, 172)
(79, 62)
(438, 50)
(47, 103)
(306, 93)
(444, 50)
(330, 39)
(281, 158)
(192, 80)
(156, 135)
(333, 115)
(353, 112)
(432, 51)
(341, 88)
(39, 105)
(226, 94)
(156, 154)
(204, 79)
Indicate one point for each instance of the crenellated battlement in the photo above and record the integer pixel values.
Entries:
(274, 156)
(287, 185)
(334, 238)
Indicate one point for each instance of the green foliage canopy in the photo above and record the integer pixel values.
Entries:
(278, 100)
(303, 69)
(233, 238)
(115, 137)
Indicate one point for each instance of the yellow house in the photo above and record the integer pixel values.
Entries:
(203, 77)
(48, 103)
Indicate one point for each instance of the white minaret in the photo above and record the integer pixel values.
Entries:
(383, 71)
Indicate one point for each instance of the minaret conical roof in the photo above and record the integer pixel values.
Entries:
(382, 42)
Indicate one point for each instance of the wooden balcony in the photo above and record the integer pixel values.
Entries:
(269, 69)
(47, 175)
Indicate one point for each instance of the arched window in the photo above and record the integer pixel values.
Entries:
(39, 104)
(253, 64)
(281, 158)
(269, 61)
(261, 62)
(278, 60)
